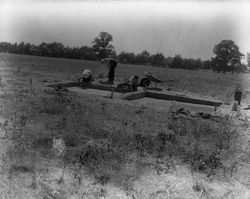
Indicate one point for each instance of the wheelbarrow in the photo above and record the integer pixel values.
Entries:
(149, 77)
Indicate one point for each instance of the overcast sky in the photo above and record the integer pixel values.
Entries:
(188, 28)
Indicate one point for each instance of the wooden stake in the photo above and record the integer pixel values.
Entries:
(30, 83)
(112, 93)
(215, 109)
(15, 120)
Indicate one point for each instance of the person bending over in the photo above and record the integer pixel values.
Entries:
(111, 64)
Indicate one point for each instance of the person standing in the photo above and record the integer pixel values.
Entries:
(238, 94)
(111, 64)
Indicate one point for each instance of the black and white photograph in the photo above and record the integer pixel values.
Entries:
(124, 99)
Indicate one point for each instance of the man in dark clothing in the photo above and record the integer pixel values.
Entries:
(111, 64)
(238, 94)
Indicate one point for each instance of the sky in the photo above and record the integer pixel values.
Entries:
(189, 28)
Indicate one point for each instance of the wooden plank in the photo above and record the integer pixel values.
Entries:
(153, 78)
(90, 85)
(139, 94)
(134, 95)
(164, 96)
(104, 87)
(65, 85)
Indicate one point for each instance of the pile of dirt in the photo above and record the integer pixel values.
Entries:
(203, 115)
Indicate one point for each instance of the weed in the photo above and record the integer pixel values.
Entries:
(20, 168)
(183, 138)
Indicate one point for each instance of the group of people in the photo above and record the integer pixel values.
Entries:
(133, 81)
(111, 64)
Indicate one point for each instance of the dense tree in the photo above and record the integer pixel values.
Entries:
(43, 49)
(12, 48)
(185, 63)
(102, 46)
(5, 47)
(227, 56)
(158, 60)
(242, 68)
(21, 48)
(168, 61)
(177, 62)
(34, 50)
(143, 58)
(55, 49)
(197, 64)
(88, 53)
(27, 49)
(207, 64)
(127, 58)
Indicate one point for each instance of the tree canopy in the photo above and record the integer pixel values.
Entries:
(227, 56)
(102, 46)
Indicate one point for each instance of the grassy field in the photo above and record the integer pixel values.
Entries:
(112, 149)
(203, 82)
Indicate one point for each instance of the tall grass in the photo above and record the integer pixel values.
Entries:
(101, 138)
(112, 149)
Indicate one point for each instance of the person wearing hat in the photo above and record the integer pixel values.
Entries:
(111, 64)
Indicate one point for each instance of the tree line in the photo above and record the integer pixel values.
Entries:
(227, 54)
(56, 49)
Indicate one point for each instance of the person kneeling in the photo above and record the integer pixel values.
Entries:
(87, 76)
(132, 83)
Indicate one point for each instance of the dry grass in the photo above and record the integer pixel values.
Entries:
(113, 150)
